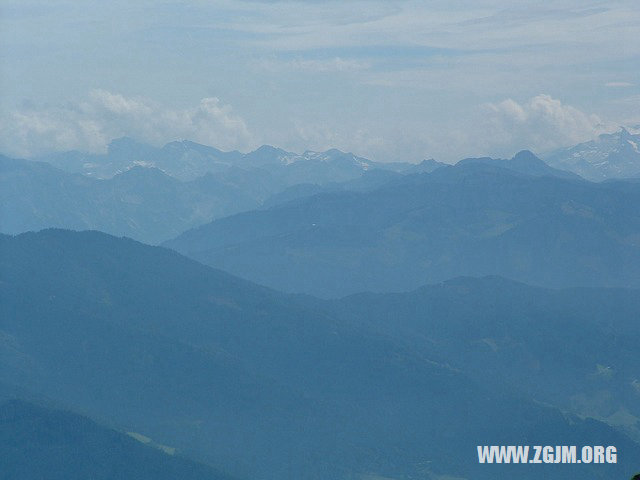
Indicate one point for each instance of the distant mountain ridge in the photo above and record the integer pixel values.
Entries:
(153, 194)
(615, 155)
(142, 203)
(146, 203)
(474, 218)
(522, 162)
(610, 156)
(188, 160)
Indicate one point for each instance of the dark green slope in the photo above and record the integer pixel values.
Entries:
(575, 348)
(38, 443)
(261, 384)
(470, 219)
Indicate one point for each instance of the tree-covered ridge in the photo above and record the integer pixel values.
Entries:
(472, 219)
(38, 442)
(267, 385)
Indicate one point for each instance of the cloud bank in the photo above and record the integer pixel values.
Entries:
(399, 80)
(89, 125)
(542, 123)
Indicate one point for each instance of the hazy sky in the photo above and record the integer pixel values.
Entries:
(391, 80)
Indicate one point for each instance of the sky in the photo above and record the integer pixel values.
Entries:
(389, 80)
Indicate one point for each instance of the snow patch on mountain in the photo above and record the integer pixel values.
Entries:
(614, 155)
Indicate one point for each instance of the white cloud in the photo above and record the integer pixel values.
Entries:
(540, 124)
(330, 65)
(320, 65)
(571, 26)
(89, 125)
(619, 84)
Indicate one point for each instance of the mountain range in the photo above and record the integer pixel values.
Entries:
(472, 219)
(186, 160)
(401, 314)
(524, 162)
(266, 385)
(142, 203)
(377, 229)
(609, 156)
(152, 194)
